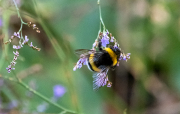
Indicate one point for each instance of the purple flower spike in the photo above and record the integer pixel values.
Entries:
(17, 34)
(115, 45)
(13, 63)
(125, 57)
(100, 80)
(16, 53)
(16, 47)
(59, 91)
(10, 68)
(74, 69)
(31, 45)
(128, 55)
(81, 61)
(26, 40)
(15, 58)
(112, 39)
(105, 40)
(95, 43)
(107, 32)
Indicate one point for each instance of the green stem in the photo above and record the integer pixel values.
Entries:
(21, 29)
(98, 2)
(22, 22)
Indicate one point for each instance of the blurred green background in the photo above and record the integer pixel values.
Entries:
(148, 83)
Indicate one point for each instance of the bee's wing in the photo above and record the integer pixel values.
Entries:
(81, 51)
(84, 52)
(100, 78)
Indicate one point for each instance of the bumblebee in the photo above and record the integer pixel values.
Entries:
(100, 62)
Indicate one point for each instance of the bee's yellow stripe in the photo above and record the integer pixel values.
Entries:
(112, 55)
(91, 61)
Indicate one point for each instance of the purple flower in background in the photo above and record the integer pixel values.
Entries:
(59, 91)
(13, 104)
(0, 22)
(42, 107)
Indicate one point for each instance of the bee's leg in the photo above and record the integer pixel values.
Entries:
(99, 45)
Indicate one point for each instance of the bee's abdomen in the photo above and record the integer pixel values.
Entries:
(91, 63)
